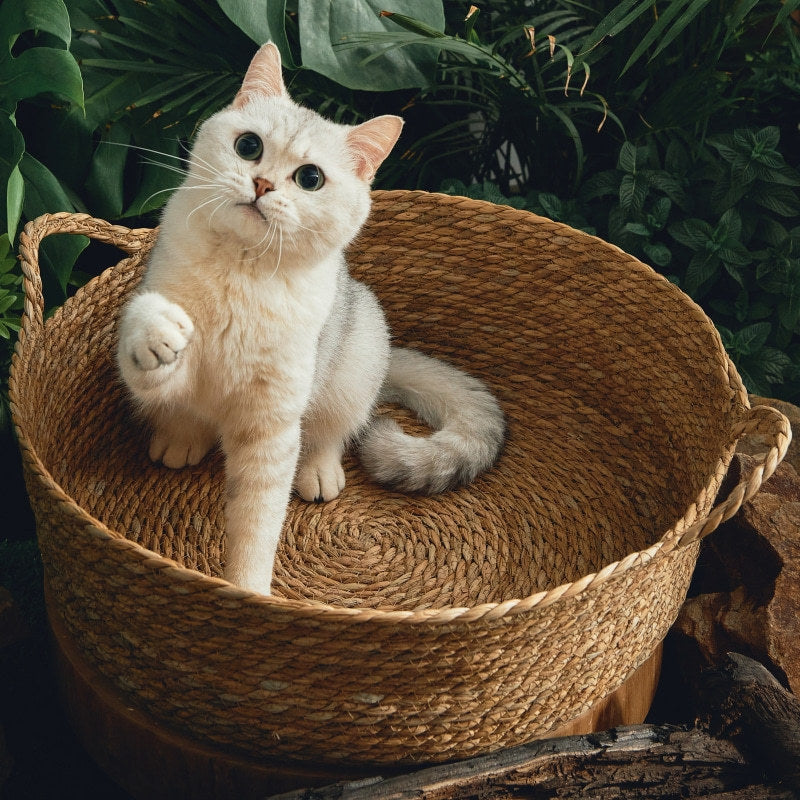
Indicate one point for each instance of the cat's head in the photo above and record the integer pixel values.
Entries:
(270, 174)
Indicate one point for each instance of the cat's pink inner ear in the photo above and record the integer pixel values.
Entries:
(371, 142)
(263, 77)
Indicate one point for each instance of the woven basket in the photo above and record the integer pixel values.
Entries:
(402, 629)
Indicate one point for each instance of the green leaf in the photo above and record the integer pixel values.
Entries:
(551, 204)
(38, 71)
(694, 233)
(676, 159)
(702, 269)
(638, 229)
(774, 364)
(10, 178)
(669, 185)
(735, 254)
(752, 338)
(693, 9)
(627, 158)
(730, 225)
(15, 196)
(7, 302)
(44, 194)
(632, 193)
(413, 25)
(326, 24)
(19, 16)
(789, 310)
(782, 16)
(660, 213)
(726, 335)
(156, 186)
(622, 15)
(725, 146)
(753, 378)
(601, 184)
(658, 254)
(734, 272)
(263, 21)
(779, 199)
(738, 14)
(772, 232)
(105, 179)
(664, 31)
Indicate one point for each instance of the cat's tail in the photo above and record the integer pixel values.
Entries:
(468, 425)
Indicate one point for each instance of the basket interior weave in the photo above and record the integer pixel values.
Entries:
(616, 390)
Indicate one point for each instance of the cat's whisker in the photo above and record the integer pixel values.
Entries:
(172, 189)
(207, 164)
(199, 170)
(209, 168)
(222, 204)
(180, 170)
(273, 227)
(270, 232)
(212, 199)
(306, 228)
(280, 251)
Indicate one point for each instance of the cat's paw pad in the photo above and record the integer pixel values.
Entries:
(176, 452)
(320, 479)
(160, 334)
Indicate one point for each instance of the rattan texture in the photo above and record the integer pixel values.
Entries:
(402, 628)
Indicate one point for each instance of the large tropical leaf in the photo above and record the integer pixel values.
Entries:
(328, 46)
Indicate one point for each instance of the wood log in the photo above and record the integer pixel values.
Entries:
(747, 705)
(645, 760)
(648, 761)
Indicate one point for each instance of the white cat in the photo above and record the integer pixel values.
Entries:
(247, 329)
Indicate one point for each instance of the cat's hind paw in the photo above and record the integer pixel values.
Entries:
(319, 478)
(177, 451)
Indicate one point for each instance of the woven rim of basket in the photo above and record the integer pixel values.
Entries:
(687, 530)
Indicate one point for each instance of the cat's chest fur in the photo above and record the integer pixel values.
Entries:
(266, 324)
(255, 326)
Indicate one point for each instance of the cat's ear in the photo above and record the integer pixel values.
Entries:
(263, 77)
(371, 142)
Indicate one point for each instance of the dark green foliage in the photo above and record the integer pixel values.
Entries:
(664, 128)
(720, 222)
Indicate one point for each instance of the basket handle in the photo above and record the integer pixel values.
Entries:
(762, 421)
(127, 239)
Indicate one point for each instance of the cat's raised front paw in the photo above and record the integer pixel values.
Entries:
(154, 332)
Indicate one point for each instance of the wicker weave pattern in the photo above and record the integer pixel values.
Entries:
(402, 628)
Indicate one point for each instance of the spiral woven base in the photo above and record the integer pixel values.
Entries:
(402, 628)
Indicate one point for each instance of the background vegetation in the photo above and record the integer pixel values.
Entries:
(669, 128)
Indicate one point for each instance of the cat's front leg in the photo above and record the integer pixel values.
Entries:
(154, 334)
(259, 466)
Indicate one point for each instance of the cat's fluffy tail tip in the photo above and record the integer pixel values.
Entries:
(445, 460)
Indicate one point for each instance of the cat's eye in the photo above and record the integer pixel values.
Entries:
(309, 177)
(248, 146)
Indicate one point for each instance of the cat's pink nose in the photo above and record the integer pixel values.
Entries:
(262, 186)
